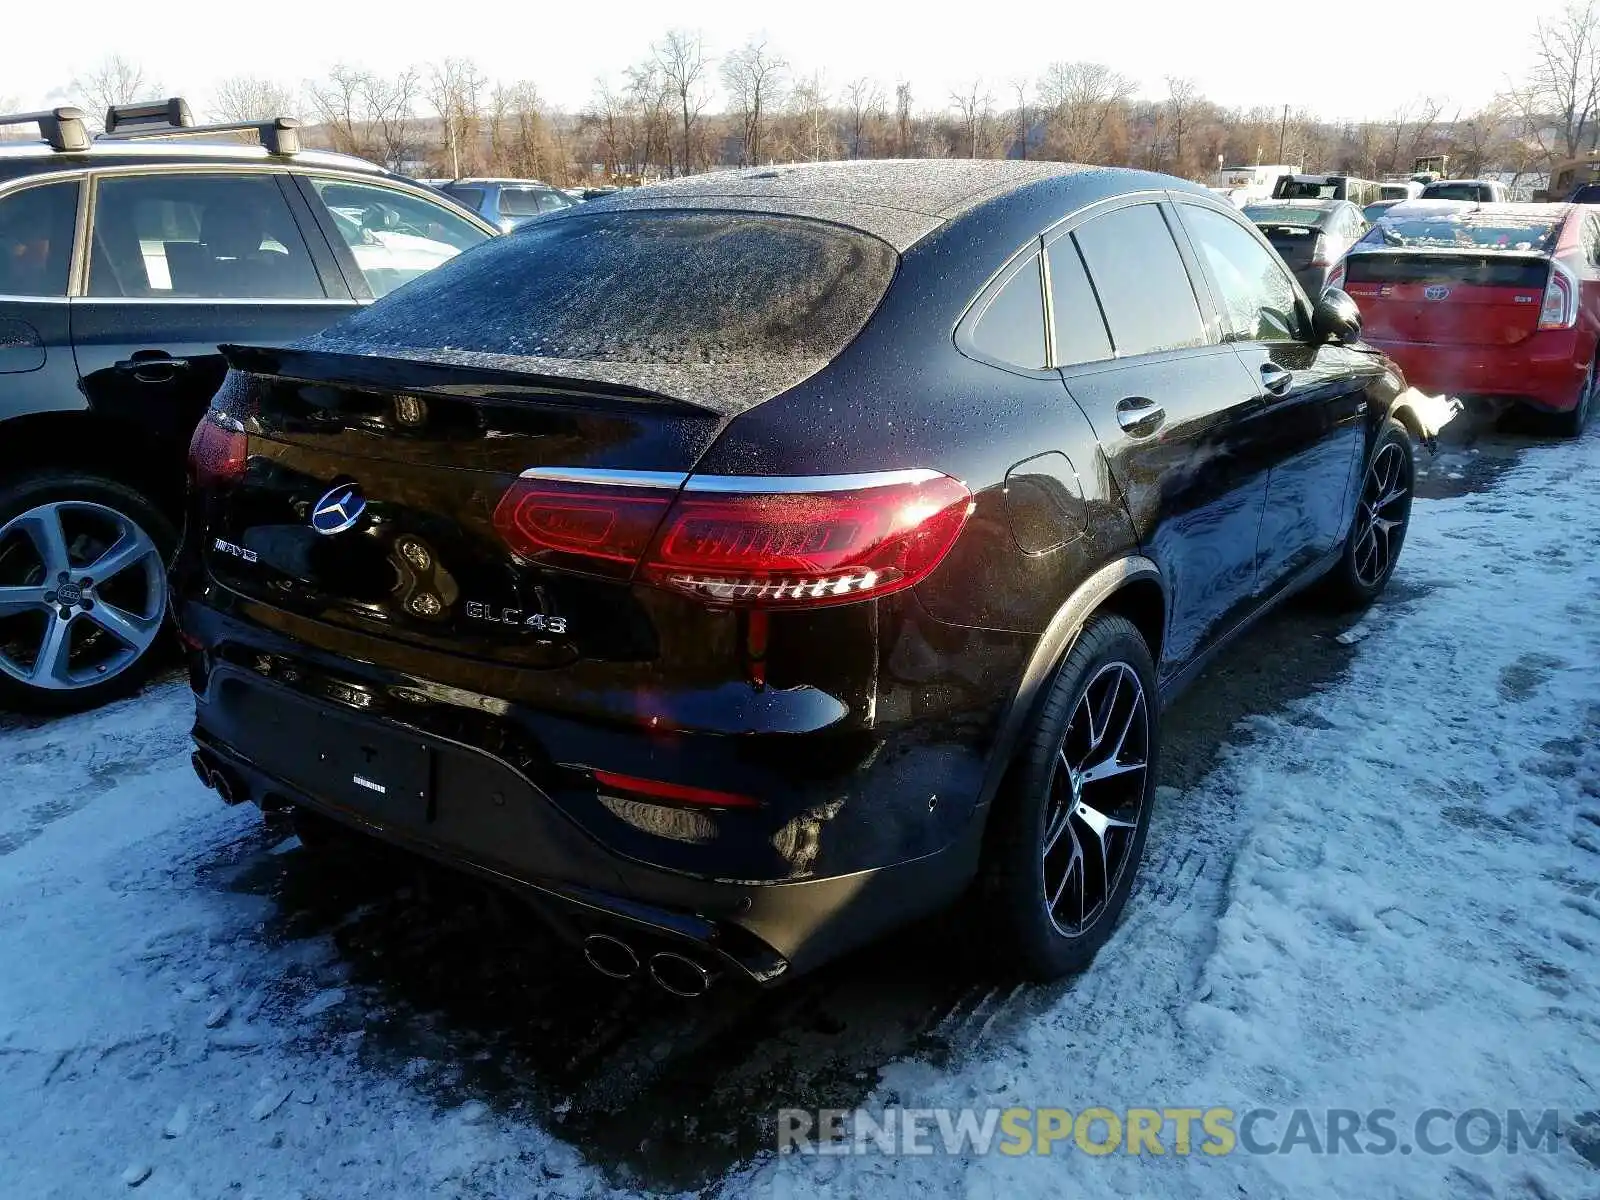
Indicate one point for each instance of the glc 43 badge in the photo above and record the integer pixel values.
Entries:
(515, 617)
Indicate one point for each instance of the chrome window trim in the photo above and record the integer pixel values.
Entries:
(799, 484)
(646, 479)
(34, 299)
(766, 485)
(267, 301)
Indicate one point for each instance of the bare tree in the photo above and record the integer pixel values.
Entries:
(340, 106)
(391, 108)
(975, 104)
(1181, 97)
(863, 104)
(1021, 85)
(812, 131)
(651, 95)
(114, 80)
(754, 78)
(1558, 103)
(681, 57)
(455, 90)
(902, 119)
(249, 98)
(1081, 99)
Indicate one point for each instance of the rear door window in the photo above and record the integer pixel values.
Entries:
(36, 227)
(223, 237)
(1079, 326)
(394, 236)
(1011, 328)
(1144, 288)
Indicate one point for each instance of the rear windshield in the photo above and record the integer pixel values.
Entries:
(1455, 191)
(471, 197)
(1284, 214)
(1307, 189)
(530, 202)
(664, 288)
(1466, 231)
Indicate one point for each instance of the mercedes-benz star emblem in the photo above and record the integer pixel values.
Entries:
(339, 509)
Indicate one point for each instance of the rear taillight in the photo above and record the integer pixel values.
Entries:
(768, 542)
(600, 528)
(1324, 252)
(1560, 309)
(216, 451)
(1335, 279)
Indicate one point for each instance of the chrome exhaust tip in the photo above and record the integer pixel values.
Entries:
(611, 956)
(224, 787)
(679, 975)
(202, 769)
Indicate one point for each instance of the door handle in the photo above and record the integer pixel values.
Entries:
(1275, 379)
(153, 366)
(1139, 415)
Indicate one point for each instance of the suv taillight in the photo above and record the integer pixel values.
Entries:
(1560, 308)
(767, 542)
(1324, 251)
(216, 451)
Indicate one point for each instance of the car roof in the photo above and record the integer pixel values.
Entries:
(37, 155)
(482, 179)
(899, 201)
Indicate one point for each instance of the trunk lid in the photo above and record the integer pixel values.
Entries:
(1448, 297)
(370, 489)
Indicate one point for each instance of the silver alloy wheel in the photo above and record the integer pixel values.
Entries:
(1096, 797)
(1381, 513)
(94, 585)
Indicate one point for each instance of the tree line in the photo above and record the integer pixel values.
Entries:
(656, 118)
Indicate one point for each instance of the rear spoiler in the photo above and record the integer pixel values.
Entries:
(403, 374)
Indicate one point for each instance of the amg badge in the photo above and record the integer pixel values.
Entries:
(516, 617)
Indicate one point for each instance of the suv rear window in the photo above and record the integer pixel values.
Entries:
(1467, 231)
(1456, 191)
(36, 226)
(671, 288)
(530, 202)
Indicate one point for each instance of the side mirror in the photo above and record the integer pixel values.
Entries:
(1335, 318)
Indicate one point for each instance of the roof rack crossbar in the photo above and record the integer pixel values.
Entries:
(280, 135)
(62, 128)
(172, 113)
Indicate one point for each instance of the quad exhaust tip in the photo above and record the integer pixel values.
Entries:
(611, 956)
(679, 975)
(215, 778)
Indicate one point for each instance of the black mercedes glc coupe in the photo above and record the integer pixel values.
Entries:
(742, 567)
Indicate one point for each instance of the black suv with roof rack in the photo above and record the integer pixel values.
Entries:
(125, 260)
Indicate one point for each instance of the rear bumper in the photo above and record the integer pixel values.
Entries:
(750, 889)
(1546, 370)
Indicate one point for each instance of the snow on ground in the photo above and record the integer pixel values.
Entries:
(1386, 895)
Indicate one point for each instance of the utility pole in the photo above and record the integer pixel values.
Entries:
(1283, 132)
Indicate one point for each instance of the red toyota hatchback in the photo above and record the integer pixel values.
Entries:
(1492, 300)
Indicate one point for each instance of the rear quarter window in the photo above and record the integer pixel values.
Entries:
(36, 230)
(1011, 328)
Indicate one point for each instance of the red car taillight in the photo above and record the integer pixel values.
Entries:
(216, 451)
(1560, 308)
(775, 542)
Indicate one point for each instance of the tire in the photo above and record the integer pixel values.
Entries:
(1372, 548)
(1572, 423)
(105, 635)
(1038, 829)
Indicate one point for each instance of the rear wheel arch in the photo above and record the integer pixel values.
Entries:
(1130, 587)
(86, 441)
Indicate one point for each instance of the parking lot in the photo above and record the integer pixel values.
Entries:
(1372, 878)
